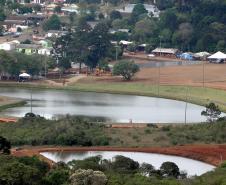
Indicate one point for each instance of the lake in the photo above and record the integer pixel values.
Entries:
(116, 108)
(192, 167)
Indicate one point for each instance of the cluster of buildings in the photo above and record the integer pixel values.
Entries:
(42, 47)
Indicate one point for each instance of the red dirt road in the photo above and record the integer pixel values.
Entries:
(212, 154)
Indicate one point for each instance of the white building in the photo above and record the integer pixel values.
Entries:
(8, 46)
(152, 9)
(45, 51)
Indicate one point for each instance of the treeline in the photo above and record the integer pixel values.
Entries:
(13, 63)
(80, 131)
(195, 25)
(69, 131)
(97, 171)
(186, 25)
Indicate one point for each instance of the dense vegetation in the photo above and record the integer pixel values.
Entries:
(13, 63)
(95, 171)
(81, 131)
(68, 131)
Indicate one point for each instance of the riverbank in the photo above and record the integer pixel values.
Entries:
(211, 154)
(6, 102)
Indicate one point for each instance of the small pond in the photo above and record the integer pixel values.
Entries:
(192, 167)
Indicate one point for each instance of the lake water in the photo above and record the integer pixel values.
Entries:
(118, 108)
(192, 167)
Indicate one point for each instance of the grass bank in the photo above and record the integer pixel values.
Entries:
(196, 95)
(11, 105)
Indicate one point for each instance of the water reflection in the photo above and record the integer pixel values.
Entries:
(192, 167)
(119, 108)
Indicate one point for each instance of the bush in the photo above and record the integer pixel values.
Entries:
(126, 69)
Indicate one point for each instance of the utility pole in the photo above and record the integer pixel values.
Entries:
(160, 44)
(158, 77)
(31, 100)
(203, 74)
(45, 65)
(116, 52)
(186, 106)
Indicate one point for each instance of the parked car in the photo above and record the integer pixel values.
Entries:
(16, 34)
(151, 55)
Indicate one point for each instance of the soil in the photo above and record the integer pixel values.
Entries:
(192, 75)
(212, 154)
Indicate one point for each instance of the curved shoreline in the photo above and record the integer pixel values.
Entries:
(194, 99)
(211, 154)
(11, 102)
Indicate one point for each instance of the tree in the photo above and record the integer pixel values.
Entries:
(125, 68)
(138, 10)
(88, 177)
(24, 9)
(79, 42)
(19, 29)
(124, 164)
(2, 14)
(212, 112)
(37, 8)
(120, 23)
(163, 4)
(2, 29)
(168, 19)
(114, 14)
(147, 169)
(58, 175)
(57, 9)
(184, 35)
(4, 146)
(114, 2)
(169, 169)
(221, 45)
(53, 23)
(99, 44)
(101, 16)
(143, 30)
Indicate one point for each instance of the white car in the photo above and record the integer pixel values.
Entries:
(151, 55)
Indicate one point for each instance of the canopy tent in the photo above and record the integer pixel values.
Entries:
(186, 56)
(201, 54)
(24, 75)
(218, 56)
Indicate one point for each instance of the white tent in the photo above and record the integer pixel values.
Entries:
(201, 54)
(218, 56)
(25, 75)
(124, 42)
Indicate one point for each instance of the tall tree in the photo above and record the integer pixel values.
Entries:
(4, 146)
(138, 10)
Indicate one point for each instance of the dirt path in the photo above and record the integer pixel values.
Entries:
(63, 82)
(212, 154)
